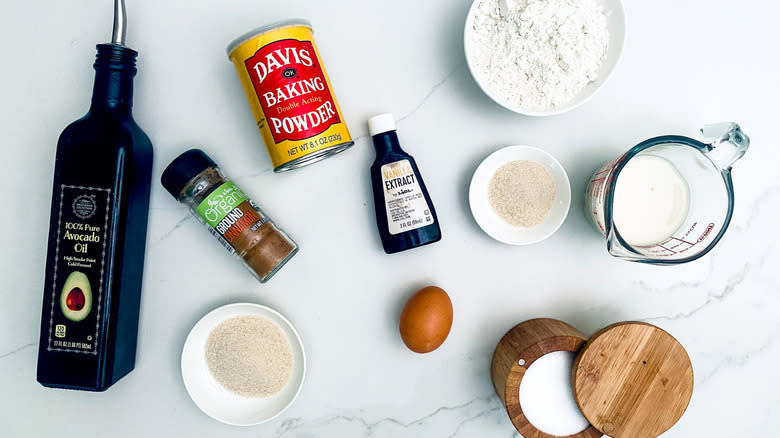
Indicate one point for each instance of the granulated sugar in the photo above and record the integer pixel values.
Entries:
(537, 54)
(250, 356)
(521, 193)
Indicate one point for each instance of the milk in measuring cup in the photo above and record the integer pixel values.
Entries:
(651, 201)
(669, 199)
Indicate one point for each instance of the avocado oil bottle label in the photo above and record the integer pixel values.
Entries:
(79, 266)
(405, 202)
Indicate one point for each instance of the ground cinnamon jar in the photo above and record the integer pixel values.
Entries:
(235, 220)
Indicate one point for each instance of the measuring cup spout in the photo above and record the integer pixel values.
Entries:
(727, 143)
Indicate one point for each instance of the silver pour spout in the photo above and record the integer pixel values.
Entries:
(120, 21)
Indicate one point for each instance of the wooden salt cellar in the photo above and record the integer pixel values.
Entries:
(630, 380)
(516, 351)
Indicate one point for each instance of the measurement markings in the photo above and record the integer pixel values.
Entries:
(684, 241)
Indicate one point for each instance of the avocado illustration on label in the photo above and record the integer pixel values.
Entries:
(76, 296)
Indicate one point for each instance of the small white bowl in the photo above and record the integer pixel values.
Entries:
(491, 223)
(216, 401)
(616, 23)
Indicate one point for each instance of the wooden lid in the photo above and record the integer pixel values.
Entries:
(633, 380)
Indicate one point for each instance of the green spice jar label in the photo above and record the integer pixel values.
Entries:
(220, 203)
(229, 212)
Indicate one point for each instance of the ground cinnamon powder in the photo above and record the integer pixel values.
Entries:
(242, 228)
(264, 249)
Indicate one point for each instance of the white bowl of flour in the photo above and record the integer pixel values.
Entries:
(543, 57)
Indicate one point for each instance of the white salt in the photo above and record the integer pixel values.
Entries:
(547, 398)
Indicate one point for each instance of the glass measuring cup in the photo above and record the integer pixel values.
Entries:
(706, 167)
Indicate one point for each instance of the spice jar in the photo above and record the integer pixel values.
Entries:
(235, 220)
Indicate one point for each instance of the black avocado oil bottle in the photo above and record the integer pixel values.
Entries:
(97, 233)
(404, 210)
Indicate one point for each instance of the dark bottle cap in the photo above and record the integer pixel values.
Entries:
(182, 169)
(114, 72)
(114, 57)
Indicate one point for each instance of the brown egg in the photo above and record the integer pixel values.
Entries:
(426, 319)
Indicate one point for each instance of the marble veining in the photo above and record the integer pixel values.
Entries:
(468, 412)
(16, 350)
(341, 291)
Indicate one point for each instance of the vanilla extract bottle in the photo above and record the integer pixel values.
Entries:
(97, 233)
(404, 210)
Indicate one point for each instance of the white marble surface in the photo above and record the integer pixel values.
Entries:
(685, 63)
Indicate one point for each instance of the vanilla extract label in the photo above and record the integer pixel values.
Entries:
(405, 202)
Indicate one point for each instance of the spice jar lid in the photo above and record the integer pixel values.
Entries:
(633, 380)
(182, 169)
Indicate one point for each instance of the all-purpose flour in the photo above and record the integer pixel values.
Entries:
(538, 54)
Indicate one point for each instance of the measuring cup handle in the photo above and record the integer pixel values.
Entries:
(727, 143)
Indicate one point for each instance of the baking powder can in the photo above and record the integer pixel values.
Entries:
(290, 94)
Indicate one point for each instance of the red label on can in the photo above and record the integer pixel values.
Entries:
(292, 90)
